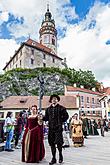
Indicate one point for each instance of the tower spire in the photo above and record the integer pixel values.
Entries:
(47, 7)
(48, 32)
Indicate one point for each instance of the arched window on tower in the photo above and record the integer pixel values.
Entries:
(53, 41)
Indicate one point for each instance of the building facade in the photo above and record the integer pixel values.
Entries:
(105, 102)
(89, 101)
(19, 103)
(32, 54)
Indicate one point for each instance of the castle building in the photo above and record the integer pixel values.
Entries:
(32, 54)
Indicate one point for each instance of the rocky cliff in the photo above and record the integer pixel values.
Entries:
(25, 82)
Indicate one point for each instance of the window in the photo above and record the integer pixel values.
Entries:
(97, 101)
(88, 111)
(17, 57)
(1, 114)
(32, 61)
(82, 98)
(21, 53)
(20, 62)
(23, 100)
(53, 41)
(104, 104)
(16, 65)
(44, 57)
(92, 100)
(13, 61)
(46, 39)
(44, 64)
(93, 112)
(32, 51)
(53, 60)
(87, 99)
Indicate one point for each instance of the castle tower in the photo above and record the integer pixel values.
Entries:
(48, 33)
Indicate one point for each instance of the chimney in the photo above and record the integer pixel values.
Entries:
(74, 85)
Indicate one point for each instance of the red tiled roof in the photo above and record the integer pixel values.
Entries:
(20, 102)
(37, 45)
(74, 89)
(106, 91)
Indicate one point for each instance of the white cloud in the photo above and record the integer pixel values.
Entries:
(7, 49)
(33, 14)
(3, 17)
(85, 48)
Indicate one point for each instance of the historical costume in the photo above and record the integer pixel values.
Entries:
(77, 134)
(85, 125)
(18, 129)
(93, 127)
(102, 125)
(32, 146)
(55, 114)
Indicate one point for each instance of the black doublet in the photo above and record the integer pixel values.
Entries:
(56, 116)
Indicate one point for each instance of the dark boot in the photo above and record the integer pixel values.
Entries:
(53, 150)
(53, 161)
(60, 158)
(60, 154)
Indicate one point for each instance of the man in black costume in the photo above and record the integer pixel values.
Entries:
(85, 125)
(56, 115)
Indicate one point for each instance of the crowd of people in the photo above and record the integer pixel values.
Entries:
(30, 127)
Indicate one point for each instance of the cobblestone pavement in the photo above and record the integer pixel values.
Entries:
(95, 152)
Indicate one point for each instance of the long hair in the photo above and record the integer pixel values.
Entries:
(8, 114)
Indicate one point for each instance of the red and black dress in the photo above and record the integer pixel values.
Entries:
(32, 146)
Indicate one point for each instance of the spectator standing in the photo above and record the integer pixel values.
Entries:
(9, 125)
(18, 129)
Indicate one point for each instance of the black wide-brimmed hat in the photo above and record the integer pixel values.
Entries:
(54, 95)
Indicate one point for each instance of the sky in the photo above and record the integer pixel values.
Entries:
(83, 31)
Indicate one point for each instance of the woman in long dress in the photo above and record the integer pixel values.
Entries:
(77, 134)
(32, 146)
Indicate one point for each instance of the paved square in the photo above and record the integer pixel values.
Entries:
(95, 152)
